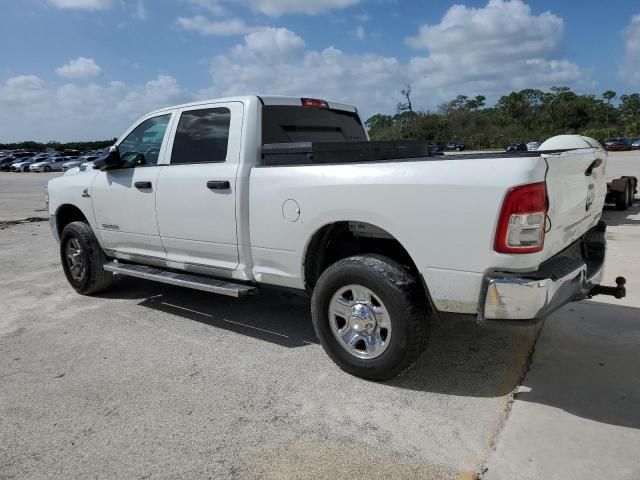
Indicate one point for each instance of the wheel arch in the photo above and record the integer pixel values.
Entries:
(336, 240)
(67, 213)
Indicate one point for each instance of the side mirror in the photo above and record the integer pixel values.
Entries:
(109, 160)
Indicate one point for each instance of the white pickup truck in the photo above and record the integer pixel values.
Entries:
(231, 194)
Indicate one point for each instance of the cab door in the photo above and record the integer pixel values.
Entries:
(124, 199)
(196, 198)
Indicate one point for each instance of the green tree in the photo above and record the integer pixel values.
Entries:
(609, 96)
(630, 107)
(475, 103)
(530, 114)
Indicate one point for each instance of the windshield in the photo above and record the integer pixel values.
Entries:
(290, 124)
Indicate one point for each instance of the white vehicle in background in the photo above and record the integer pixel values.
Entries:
(78, 161)
(228, 195)
(51, 164)
(23, 164)
(533, 146)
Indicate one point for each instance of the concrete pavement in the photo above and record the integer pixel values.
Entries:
(23, 195)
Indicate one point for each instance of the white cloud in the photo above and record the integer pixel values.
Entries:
(204, 26)
(82, 4)
(275, 61)
(280, 7)
(491, 49)
(270, 45)
(31, 109)
(22, 89)
(630, 69)
(80, 67)
(360, 32)
(501, 28)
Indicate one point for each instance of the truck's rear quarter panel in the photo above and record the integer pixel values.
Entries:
(443, 211)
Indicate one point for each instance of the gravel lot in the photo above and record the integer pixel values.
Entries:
(154, 381)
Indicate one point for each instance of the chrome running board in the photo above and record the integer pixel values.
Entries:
(187, 280)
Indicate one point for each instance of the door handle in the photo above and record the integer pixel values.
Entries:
(595, 164)
(218, 185)
(143, 185)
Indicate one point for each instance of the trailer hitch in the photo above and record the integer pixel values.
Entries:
(619, 291)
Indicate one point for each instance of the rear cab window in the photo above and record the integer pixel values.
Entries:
(293, 124)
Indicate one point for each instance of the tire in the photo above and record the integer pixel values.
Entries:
(90, 277)
(631, 192)
(622, 198)
(397, 291)
(47, 168)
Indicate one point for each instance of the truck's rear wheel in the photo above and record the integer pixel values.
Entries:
(83, 259)
(370, 316)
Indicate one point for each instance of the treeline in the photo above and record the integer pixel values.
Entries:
(520, 117)
(57, 146)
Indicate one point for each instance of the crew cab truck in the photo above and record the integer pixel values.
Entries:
(231, 194)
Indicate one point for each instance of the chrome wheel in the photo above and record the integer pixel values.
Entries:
(359, 321)
(75, 259)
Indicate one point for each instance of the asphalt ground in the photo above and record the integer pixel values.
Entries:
(155, 381)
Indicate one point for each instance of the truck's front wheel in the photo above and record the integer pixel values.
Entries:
(83, 259)
(370, 316)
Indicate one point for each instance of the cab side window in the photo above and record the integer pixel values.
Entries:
(142, 145)
(202, 136)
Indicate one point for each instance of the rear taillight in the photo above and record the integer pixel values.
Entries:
(314, 102)
(521, 226)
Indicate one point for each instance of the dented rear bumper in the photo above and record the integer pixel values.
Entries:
(569, 276)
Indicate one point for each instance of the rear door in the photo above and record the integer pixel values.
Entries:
(196, 198)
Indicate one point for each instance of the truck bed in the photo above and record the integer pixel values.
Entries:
(319, 153)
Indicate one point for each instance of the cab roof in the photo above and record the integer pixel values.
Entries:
(265, 99)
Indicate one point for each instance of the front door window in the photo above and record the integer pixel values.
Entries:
(142, 146)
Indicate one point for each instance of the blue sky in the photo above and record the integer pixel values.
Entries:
(85, 69)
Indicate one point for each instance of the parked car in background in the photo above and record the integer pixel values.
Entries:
(22, 165)
(77, 162)
(618, 144)
(636, 144)
(434, 149)
(71, 153)
(40, 157)
(454, 146)
(51, 164)
(516, 147)
(533, 146)
(6, 162)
